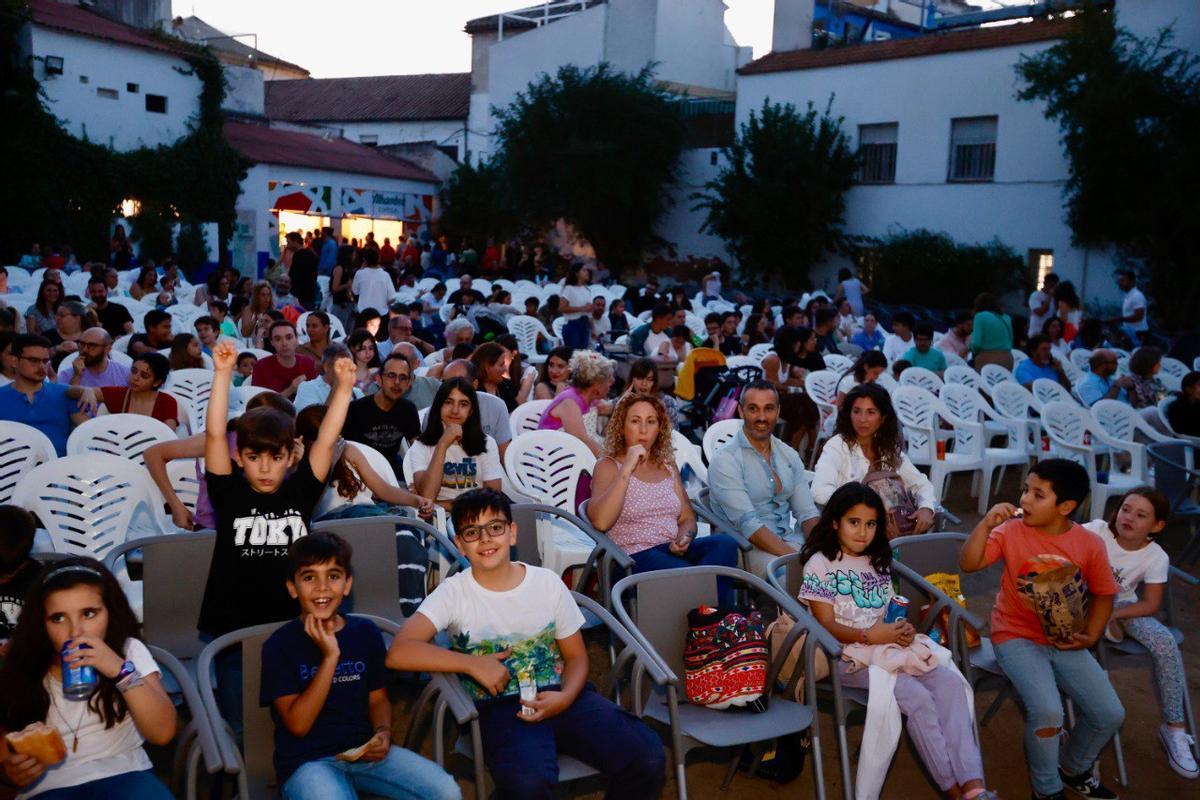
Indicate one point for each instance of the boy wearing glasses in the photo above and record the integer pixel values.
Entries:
(385, 418)
(516, 642)
(52, 408)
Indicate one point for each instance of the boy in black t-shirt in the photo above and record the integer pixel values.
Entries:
(324, 679)
(18, 571)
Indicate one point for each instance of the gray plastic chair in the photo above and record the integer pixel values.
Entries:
(445, 693)
(1174, 477)
(605, 557)
(672, 593)
(253, 763)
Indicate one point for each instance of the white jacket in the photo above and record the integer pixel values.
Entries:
(840, 464)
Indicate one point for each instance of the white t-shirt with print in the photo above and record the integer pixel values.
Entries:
(1134, 299)
(859, 595)
(1131, 568)
(460, 472)
(529, 618)
(102, 753)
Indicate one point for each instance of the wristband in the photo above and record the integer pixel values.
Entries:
(131, 681)
(862, 637)
(126, 670)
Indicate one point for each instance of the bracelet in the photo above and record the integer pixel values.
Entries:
(131, 681)
(862, 637)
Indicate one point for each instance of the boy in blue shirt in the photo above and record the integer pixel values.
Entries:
(511, 624)
(324, 679)
(922, 353)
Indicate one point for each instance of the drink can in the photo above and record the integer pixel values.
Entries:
(1045, 444)
(528, 692)
(897, 609)
(941, 450)
(78, 680)
(1087, 438)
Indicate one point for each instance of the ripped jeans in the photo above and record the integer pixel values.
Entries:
(1168, 663)
(1038, 672)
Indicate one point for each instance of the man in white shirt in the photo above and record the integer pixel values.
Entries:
(601, 325)
(900, 339)
(1133, 308)
(1041, 303)
(372, 285)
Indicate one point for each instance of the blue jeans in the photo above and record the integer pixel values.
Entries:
(1038, 672)
(715, 550)
(126, 786)
(577, 334)
(403, 775)
(523, 756)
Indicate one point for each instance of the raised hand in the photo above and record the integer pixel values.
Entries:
(452, 433)
(634, 457)
(344, 373)
(91, 651)
(224, 357)
(1001, 512)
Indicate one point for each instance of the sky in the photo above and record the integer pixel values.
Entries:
(394, 37)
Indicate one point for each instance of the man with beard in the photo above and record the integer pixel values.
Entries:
(757, 483)
(384, 419)
(93, 366)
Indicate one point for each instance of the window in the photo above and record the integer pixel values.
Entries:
(156, 104)
(1040, 263)
(877, 147)
(107, 94)
(972, 149)
(83, 78)
(369, 139)
(132, 88)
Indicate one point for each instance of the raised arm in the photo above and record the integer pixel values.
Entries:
(320, 456)
(973, 555)
(216, 448)
(156, 457)
(379, 487)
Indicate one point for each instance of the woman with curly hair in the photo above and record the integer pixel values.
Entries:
(639, 500)
(576, 406)
(867, 441)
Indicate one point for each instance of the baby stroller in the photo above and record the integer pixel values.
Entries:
(717, 392)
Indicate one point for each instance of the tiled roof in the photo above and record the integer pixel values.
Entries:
(928, 45)
(83, 22)
(197, 30)
(263, 145)
(382, 97)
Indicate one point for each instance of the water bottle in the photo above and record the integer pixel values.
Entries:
(78, 680)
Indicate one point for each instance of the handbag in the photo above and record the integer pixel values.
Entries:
(901, 504)
(725, 658)
(728, 407)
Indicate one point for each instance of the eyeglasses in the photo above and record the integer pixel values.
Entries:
(494, 530)
(396, 376)
(34, 360)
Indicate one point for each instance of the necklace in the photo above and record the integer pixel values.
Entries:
(78, 723)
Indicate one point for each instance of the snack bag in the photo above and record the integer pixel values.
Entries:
(1055, 591)
(951, 584)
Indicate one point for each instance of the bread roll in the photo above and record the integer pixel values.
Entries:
(40, 741)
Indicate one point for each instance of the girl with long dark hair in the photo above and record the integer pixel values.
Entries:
(555, 374)
(40, 317)
(794, 357)
(848, 587)
(366, 359)
(453, 454)
(78, 603)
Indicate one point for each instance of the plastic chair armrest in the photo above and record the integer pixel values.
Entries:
(619, 556)
(915, 578)
(1191, 580)
(659, 672)
(718, 525)
(191, 698)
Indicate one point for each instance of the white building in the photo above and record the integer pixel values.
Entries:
(109, 82)
(687, 39)
(379, 110)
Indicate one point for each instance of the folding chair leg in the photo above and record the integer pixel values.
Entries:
(1122, 777)
(1190, 720)
(844, 757)
(985, 491)
(1003, 694)
(733, 767)
(815, 754)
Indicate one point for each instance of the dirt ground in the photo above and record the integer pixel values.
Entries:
(1003, 752)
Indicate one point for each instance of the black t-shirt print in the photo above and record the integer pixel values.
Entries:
(12, 596)
(369, 424)
(246, 581)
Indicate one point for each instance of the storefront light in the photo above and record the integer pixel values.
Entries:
(130, 207)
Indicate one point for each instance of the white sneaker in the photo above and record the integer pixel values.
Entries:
(1178, 745)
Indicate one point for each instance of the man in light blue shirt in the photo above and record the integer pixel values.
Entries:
(757, 484)
(1100, 383)
(315, 392)
(1040, 364)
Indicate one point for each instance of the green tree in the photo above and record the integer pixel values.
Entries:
(780, 201)
(1129, 112)
(597, 148)
(474, 205)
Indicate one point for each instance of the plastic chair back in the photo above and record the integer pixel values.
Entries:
(668, 599)
(194, 387)
(528, 415)
(821, 385)
(921, 377)
(526, 329)
(928, 553)
(994, 374)
(121, 435)
(546, 466)
(22, 447)
(337, 331)
(1121, 421)
(87, 503)
(915, 410)
(1012, 400)
(718, 435)
(373, 540)
(688, 454)
(1047, 391)
(964, 376)
(1080, 359)
(760, 351)
(1171, 475)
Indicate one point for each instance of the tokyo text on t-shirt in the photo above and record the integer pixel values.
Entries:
(1026, 552)
(529, 618)
(460, 472)
(858, 593)
(290, 659)
(246, 581)
(1130, 568)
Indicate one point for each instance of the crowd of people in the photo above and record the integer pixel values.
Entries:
(430, 379)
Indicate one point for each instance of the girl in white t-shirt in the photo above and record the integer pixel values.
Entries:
(80, 602)
(1136, 559)
(453, 454)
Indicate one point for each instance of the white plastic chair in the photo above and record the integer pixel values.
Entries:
(193, 386)
(1074, 374)
(918, 412)
(1045, 391)
(88, 503)
(1018, 356)
(966, 403)
(717, 435)
(1080, 359)
(734, 362)
(546, 466)
(557, 325)
(763, 349)
(22, 447)
(963, 376)
(1067, 425)
(525, 417)
(821, 386)
(1124, 424)
(954, 359)
(526, 329)
(122, 435)
(181, 472)
(993, 374)
(688, 454)
(925, 379)
(838, 364)
(121, 345)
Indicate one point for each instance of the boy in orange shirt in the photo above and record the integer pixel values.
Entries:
(1037, 537)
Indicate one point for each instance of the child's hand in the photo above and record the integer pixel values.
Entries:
(224, 357)
(452, 433)
(891, 632)
(95, 654)
(545, 706)
(1078, 641)
(491, 673)
(1001, 512)
(344, 373)
(424, 507)
(378, 747)
(22, 770)
(321, 632)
